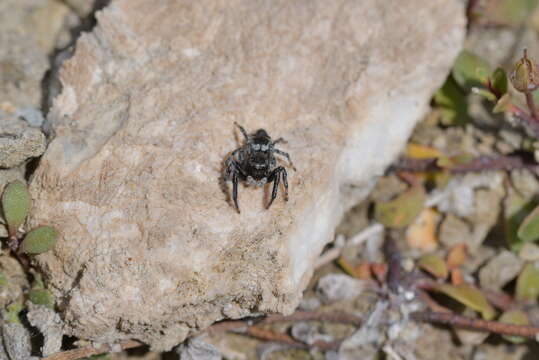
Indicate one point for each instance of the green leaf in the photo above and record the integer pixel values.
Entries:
(401, 211)
(535, 95)
(41, 297)
(16, 204)
(470, 70)
(502, 104)
(434, 265)
(517, 317)
(498, 81)
(487, 94)
(39, 240)
(38, 281)
(452, 103)
(448, 162)
(12, 312)
(516, 208)
(529, 229)
(3, 279)
(469, 296)
(512, 12)
(528, 284)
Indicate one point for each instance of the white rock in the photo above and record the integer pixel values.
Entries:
(18, 142)
(500, 270)
(150, 247)
(48, 322)
(16, 340)
(196, 349)
(334, 287)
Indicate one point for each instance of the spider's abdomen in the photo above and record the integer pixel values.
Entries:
(258, 165)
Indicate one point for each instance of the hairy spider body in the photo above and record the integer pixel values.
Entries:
(255, 164)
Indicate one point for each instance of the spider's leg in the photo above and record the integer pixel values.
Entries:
(275, 176)
(235, 189)
(279, 140)
(285, 183)
(242, 131)
(232, 172)
(282, 153)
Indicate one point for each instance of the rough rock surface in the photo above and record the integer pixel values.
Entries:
(18, 141)
(48, 322)
(150, 247)
(28, 32)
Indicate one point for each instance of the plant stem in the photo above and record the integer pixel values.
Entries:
(480, 163)
(476, 324)
(531, 105)
(90, 350)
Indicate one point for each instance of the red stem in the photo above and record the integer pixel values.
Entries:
(531, 106)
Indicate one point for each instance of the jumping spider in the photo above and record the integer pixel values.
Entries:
(255, 163)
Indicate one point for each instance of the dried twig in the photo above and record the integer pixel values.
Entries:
(395, 271)
(269, 335)
(334, 317)
(476, 324)
(499, 299)
(90, 350)
(531, 106)
(433, 305)
(481, 163)
(246, 327)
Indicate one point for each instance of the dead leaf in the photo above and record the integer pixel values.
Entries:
(457, 255)
(421, 234)
(417, 151)
(434, 265)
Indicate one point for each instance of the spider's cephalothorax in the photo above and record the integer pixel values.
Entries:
(255, 164)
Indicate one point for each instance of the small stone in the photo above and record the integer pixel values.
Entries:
(310, 303)
(16, 280)
(529, 252)
(501, 351)
(22, 66)
(500, 270)
(309, 333)
(479, 258)
(488, 204)
(48, 322)
(196, 349)
(511, 139)
(33, 116)
(39, 21)
(525, 182)
(473, 197)
(83, 7)
(387, 188)
(454, 231)
(16, 339)
(365, 343)
(334, 287)
(19, 142)
(458, 197)
(471, 337)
